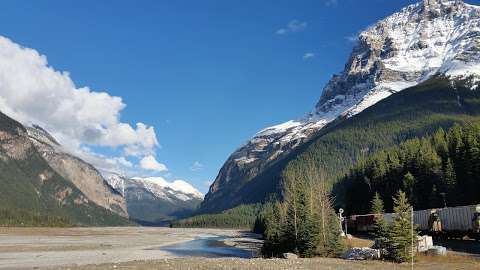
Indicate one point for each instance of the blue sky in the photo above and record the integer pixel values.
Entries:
(206, 74)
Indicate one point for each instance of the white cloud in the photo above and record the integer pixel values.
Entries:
(207, 183)
(151, 164)
(123, 161)
(32, 92)
(196, 166)
(292, 27)
(330, 3)
(352, 38)
(308, 56)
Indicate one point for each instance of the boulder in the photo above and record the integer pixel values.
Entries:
(290, 256)
(424, 243)
(437, 251)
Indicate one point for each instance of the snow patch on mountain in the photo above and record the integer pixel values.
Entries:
(422, 40)
(182, 189)
(433, 37)
(158, 186)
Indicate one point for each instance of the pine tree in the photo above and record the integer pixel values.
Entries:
(381, 230)
(304, 222)
(450, 176)
(409, 185)
(400, 236)
(377, 204)
(272, 219)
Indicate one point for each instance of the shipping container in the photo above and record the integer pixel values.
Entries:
(456, 221)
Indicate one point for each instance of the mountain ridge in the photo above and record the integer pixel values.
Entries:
(155, 201)
(394, 54)
(32, 187)
(82, 174)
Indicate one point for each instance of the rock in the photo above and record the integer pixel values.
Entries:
(362, 254)
(289, 256)
(424, 243)
(437, 251)
(80, 173)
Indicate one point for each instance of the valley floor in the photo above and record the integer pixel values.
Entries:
(453, 263)
(27, 248)
(140, 248)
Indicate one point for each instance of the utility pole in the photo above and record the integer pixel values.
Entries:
(346, 226)
(411, 230)
(341, 218)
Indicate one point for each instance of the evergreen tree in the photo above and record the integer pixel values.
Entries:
(304, 222)
(272, 219)
(450, 176)
(401, 240)
(377, 204)
(409, 185)
(381, 230)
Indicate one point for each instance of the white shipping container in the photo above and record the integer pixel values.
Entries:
(457, 218)
(453, 218)
(420, 218)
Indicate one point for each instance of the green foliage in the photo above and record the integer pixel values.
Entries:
(33, 193)
(377, 204)
(269, 224)
(240, 217)
(445, 163)
(304, 222)
(411, 113)
(402, 235)
(23, 218)
(381, 230)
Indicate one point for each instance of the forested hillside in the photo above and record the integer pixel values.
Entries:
(414, 112)
(33, 194)
(444, 165)
(241, 217)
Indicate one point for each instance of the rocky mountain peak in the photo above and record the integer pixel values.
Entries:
(424, 39)
(432, 37)
(440, 7)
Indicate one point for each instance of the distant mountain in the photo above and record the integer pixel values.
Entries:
(422, 42)
(154, 201)
(83, 175)
(33, 193)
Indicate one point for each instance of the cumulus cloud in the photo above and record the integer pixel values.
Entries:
(32, 92)
(330, 3)
(292, 27)
(308, 56)
(196, 166)
(352, 38)
(151, 164)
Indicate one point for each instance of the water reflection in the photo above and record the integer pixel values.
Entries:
(209, 247)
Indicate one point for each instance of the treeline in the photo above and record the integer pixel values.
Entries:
(240, 217)
(23, 218)
(443, 166)
(304, 221)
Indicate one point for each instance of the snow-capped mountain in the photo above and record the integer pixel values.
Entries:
(155, 200)
(433, 37)
(83, 175)
(156, 185)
